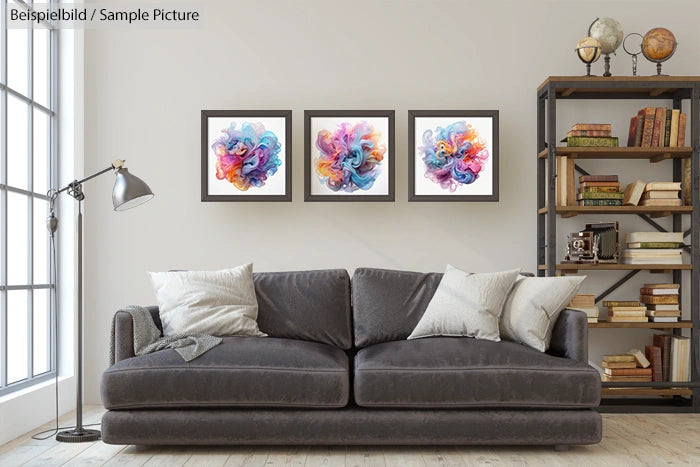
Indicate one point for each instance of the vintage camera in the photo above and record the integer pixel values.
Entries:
(597, 243)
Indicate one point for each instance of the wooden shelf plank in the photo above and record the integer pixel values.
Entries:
(656, 211)
(648, 325)
(618, 267)
(653, 86)
(652, 154)
(647, 391)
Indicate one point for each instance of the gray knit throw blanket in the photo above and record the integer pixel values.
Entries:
(147, 337)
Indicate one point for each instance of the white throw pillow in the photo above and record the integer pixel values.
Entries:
(533, 307)
(466, 305)
(220, 303)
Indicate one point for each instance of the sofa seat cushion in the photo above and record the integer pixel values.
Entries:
(241, 371)
(461, 372)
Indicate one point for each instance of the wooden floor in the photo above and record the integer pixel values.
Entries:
(628, 439)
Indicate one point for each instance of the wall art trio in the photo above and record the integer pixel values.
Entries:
(349, 155)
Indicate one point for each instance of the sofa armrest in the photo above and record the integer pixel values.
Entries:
(124, 333)
(570, 336)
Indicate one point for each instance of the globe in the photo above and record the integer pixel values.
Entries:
(588, 49)
(609, 32)
(658, 44)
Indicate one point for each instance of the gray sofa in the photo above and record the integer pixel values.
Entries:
(337, 369)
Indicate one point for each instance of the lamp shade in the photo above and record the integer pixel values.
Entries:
(129, 191)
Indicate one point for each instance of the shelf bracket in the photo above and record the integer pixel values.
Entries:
(617, 284)
(660, 157)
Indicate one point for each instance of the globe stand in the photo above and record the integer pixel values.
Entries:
(592, 57)
(607, 66)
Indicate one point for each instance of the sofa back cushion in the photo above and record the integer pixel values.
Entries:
(387, 304)
(306, 305)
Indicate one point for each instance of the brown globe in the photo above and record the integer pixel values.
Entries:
(658, 44)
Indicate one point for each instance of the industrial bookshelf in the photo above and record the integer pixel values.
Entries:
(626, 397)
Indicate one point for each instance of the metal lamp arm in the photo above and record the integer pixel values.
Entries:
(78, 194)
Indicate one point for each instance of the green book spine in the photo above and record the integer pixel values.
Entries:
(600, 202)
(659, 245)
(667, 126)
(602, 195)
(601, 189)
(590, 141)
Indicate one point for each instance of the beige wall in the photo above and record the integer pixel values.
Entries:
(145, 89)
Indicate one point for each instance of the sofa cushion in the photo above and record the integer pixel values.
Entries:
(460, 372)
(241, 371)
(387, 304)
(307, 305)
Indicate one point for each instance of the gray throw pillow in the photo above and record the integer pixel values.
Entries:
(466, 305)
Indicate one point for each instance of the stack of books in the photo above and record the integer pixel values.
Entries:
(626, 311)
(655, 127)
(591, 135)
(631, 367)
(599, 190)
(670, 358)
(661, 301)
(661, 194)
(653, 248)
(585, 303)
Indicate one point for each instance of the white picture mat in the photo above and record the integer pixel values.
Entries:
(274, 185)
(381, 124)
(425, 186)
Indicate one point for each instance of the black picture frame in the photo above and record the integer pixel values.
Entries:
(418, 193)
(309, 144)
(207, 153)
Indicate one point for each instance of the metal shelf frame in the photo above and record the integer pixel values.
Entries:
(677, 89)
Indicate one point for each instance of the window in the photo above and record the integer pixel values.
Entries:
(27, 171)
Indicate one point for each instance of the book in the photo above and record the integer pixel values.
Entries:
(633, 237)
(591, 311)
(592, 126)
(634, 128)
(652, 251)
(589, 133)
(652, 291)
(677, 259)
(660, 202)
(610, 303)
(627, 319)
(664, 313)
(592, 141)
(611, 185)
(582, 300)
(648, 129)
(663, 341)
(681, 129)
(625, 379)
(600, 202)
(680, 358)
(602, 195)
(665, 310)
(667, 129)
(639, 356)
(659, 122)
(663, 319)
(660, 194)
(617, 365)
(619, 309)
(633, 193)
(570, 184)
(598, 178)
(663, 285)
(628, 371)
(653, 245)
(673, 140)
(600, 189)
(687, 183)
(619, 358)
(659, 299)
(662, 186)
(653, 354)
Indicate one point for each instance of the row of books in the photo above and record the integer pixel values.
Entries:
(639, 193)
(667, 359)
(585, 303)
(653, 248)
(599, 190)
(591, 135)
(655, 127)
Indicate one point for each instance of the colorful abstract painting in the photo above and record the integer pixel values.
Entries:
(349, 155)
(453, 155)
(246, 155)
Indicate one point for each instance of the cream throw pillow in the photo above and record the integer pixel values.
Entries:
(466, 305)
(533, 307)
(220, 303)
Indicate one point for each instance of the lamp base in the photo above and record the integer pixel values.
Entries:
(78, 436)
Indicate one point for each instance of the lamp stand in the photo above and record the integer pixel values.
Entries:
(79, 434)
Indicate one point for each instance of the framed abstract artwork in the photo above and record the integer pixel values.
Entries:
(453, 155)
(349, 155)
(246, 155)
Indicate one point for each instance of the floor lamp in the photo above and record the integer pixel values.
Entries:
(129, 191)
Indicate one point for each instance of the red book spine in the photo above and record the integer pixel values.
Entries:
(648, 130)
(659, 122)
(634, 128)
(681, 130)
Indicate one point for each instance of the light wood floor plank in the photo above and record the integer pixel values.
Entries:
(364, 456)
(215, 456)
(332, 456)
(131, 456)
(403, 456)
(21, 454)
(169, 457)
(247, 457)
(58, 454)
(97, 454)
